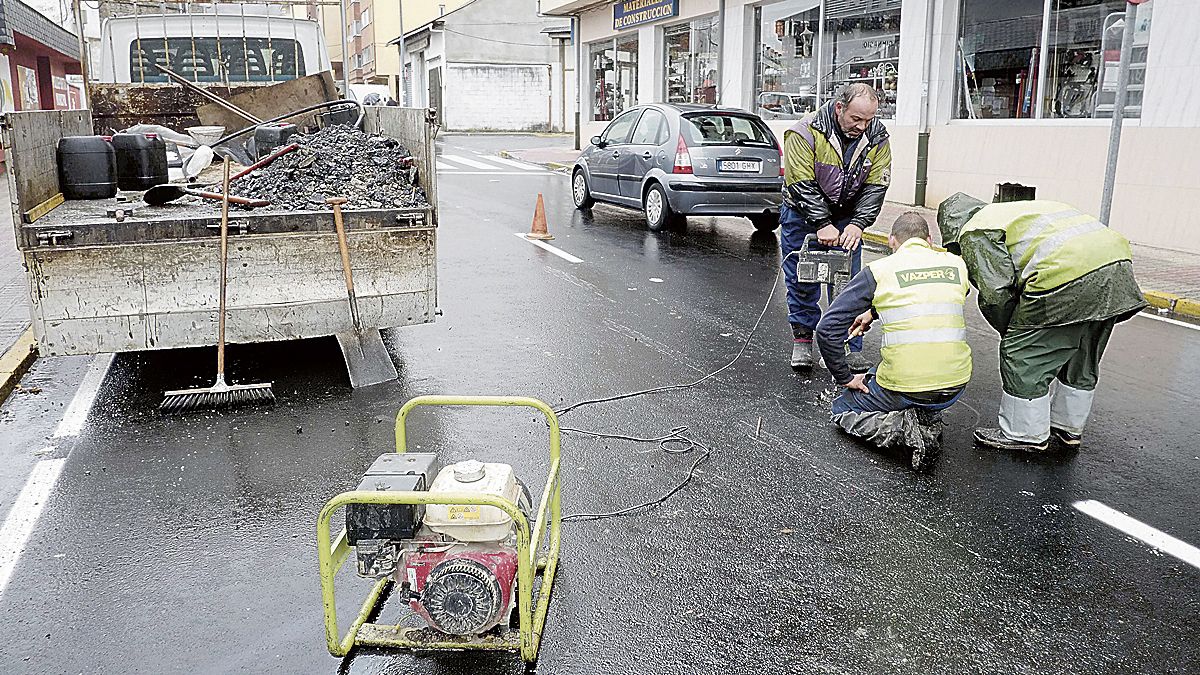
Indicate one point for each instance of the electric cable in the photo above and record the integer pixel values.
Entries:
(668, 441)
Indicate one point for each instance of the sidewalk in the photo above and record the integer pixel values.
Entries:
(16, 342)
(1169, 279)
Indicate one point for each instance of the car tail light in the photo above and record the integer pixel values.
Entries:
(780, 160)
(683, 158)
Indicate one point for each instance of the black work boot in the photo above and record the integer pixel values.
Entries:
(858, 363)
(995, 438)
(1066, 438)
(802, 348)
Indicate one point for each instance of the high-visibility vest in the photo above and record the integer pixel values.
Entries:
(919, 296)
(1050, 243)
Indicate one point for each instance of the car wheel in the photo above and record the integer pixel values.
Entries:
(765, 222)
(659, 215)
(580, 191)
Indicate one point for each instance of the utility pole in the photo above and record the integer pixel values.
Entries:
(1118, 118)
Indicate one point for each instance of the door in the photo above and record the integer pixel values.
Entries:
(603, 162)
(641, 153)
(435, 92)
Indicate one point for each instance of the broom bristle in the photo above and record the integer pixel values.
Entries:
(219, 396)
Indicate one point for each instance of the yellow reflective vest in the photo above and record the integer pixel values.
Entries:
(919, 297)
(1050, 243)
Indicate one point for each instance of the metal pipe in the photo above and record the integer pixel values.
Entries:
(1118, 118)
(187, 84)
(1043, 62)
(922, 181)
(345, 51)
(403, 80)
(720, 50)
(84, 52)
(820, 48)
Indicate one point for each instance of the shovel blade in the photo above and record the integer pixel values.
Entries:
(367, 358)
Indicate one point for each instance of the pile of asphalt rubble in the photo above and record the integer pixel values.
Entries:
(372, 172)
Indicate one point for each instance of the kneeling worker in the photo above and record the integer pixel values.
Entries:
(919, 293)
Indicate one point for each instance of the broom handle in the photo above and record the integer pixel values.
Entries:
(224, 263)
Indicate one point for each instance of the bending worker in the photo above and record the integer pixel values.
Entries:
(837, 165)
(1053, 282)
(918, 293)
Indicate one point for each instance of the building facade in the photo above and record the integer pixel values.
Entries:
(975, 92)
(493, 65)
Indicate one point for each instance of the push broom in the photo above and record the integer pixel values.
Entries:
(220, 394)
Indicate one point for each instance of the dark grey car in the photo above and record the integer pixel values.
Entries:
(673, 161)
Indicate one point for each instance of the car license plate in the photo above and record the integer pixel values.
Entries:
(739, 166)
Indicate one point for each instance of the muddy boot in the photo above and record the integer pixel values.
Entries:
(802, 348)
(929, 446)
(858, 363)
(995, 438)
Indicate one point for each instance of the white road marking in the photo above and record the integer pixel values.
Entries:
(81, 404)
(519, 165)
(1140, 531)
(23, 515)
(459, 159)
(556, 251)
(1174, 322)
(445, 167)
(491, 173)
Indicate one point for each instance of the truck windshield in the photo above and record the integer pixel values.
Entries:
(724, 129)
(207, 59)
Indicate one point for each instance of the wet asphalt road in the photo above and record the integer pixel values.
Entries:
(186, 544)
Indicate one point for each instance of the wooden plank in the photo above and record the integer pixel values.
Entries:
(272, 101)
(31, 145)
(42, 209)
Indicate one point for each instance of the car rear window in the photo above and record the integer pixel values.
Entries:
(725, 129)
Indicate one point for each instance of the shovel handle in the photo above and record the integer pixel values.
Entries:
(265, 160)
(233, 199)
(336, 203)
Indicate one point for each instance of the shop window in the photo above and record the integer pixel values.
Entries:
(801, 62)
(1004, 70)
(614, 76)
(691, 67)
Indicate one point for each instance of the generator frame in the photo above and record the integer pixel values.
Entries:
(531, 563)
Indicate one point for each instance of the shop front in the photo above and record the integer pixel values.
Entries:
(973, 92)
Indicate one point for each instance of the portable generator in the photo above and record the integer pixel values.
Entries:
(454, 544)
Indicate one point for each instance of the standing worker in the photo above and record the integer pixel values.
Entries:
(837, 164)
(918, 293)
(1053, 282)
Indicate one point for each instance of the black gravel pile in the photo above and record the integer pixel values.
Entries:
(372, 172)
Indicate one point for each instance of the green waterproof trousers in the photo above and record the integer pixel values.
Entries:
(1031, 360)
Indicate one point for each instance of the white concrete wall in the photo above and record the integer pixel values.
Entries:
(497, 97)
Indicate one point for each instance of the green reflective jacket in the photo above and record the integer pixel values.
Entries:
(1027, 279)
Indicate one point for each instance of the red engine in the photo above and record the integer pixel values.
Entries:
(461, 588)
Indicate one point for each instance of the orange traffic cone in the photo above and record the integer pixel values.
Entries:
(539, 230)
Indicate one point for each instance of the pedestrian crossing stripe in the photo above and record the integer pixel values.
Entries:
(481, 164)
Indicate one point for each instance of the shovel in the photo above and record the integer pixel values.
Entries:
(162, 194)
(367, 358)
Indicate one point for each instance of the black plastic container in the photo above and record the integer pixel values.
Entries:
(141, 161)
(87, 167)
(267, 137)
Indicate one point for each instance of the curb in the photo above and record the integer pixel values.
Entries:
(16, 361)
(553, 166)
(1175, 304)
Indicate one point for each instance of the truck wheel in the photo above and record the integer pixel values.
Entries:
(580, 192)
(765, 222)
(659, 215)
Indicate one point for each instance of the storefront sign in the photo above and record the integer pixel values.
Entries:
(28, 85)
(635, 12)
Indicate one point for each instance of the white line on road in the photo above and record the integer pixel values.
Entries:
(491, 173)
(459, 159)
(445, 167)
(519, 165)
(18, 525)
(1140, 531)
(1174, 322)
(556, 251)
(81, 404)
